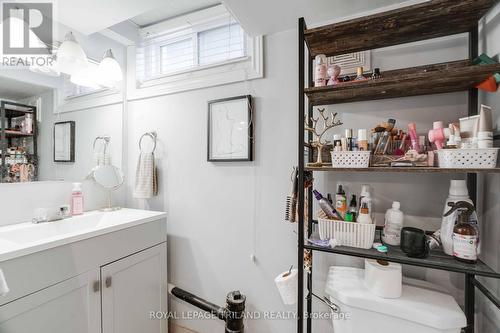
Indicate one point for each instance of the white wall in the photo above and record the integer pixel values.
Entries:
(221, 213)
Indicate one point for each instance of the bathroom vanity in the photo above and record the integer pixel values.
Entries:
(99, 272)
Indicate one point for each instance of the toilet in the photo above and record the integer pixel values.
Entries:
(418, 310)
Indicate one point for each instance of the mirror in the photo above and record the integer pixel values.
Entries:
(110, 178)
(48, 125)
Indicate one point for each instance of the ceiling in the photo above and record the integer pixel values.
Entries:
(90, 16)
(17, 90)
(172, 9)
(260, 17)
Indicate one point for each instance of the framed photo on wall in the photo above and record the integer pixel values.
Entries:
(64, 141)
(230, 129)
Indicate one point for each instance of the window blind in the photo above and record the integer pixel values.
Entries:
(180, 51)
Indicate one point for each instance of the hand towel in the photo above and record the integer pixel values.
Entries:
(4, 288)
(146, 178)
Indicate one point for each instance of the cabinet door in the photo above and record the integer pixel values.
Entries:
(69, 306)
(132, 288)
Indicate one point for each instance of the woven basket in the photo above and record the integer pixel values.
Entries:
(351, 234)
(485, 158)
(351, 159)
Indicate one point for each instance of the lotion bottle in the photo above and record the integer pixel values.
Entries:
(77, 199)
(391, 234)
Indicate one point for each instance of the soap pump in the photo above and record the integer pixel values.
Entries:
(465, 234)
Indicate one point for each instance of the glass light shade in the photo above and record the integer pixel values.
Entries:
(110, 72)
(70, 56)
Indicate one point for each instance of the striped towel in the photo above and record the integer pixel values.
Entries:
(146, 177)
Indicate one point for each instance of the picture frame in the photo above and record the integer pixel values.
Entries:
(64, 141)
(230, 129)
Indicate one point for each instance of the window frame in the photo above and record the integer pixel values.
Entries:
(233, 70)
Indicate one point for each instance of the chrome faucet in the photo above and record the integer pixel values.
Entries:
(43, 215)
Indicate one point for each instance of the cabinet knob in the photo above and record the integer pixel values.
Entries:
(108, 282)
(96, 286)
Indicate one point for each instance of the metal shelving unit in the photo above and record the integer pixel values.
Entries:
(420, 22)
(9, 111)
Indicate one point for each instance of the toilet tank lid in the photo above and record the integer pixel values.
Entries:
(423, 306)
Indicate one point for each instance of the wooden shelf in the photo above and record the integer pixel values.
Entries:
(432, 19)
(404, 169)
(12, 113)
(415, 81)
(436, 260)
(14, 134)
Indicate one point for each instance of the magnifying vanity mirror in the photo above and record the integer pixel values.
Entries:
(110, 178)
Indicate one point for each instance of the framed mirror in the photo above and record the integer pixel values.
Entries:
(230, 129)
(64, 141)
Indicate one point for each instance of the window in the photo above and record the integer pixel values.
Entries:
(201, 49)
(72, 90)
(221, 44)
(176, 56)
(167, 52)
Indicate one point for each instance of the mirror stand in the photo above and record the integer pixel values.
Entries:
(110, 208)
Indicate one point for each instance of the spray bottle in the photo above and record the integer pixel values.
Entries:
(458, 192)
(465, 233)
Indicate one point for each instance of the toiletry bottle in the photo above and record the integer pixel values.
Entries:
(465, 234)
(353, 207)
(77, 199)
(412, 131)
(320, 77)
(458, 192)
(359, 75)
(28, 124)
(341, 202)
(376, 74)
(365, 197)
(391, 234)
(348, 136)
(326, 207)
(485, 131)
(337, 140)
(362, 139)
(363, 216)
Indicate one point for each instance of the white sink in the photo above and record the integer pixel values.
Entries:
(25, 238)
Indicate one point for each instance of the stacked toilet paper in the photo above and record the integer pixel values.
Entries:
(383, 278)
(287, 286)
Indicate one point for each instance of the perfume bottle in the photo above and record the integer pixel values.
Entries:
(376, 74)
(359, 75)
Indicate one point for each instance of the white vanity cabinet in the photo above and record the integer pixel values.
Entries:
(109, 283)
(131, 289)
(69, 306)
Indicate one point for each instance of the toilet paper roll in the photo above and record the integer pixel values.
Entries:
(287, 286)
(383, 278)
(4, 288)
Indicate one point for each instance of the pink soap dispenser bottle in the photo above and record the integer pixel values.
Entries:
(77, 199)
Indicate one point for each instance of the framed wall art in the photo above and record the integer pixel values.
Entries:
(64, 141)
(230, 129)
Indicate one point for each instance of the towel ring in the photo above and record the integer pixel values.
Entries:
(153, 137)
(104, 138)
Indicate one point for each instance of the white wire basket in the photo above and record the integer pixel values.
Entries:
(484, 158)
(351, 159)
(351, 234)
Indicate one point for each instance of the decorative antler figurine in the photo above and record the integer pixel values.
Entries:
(312, 126)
